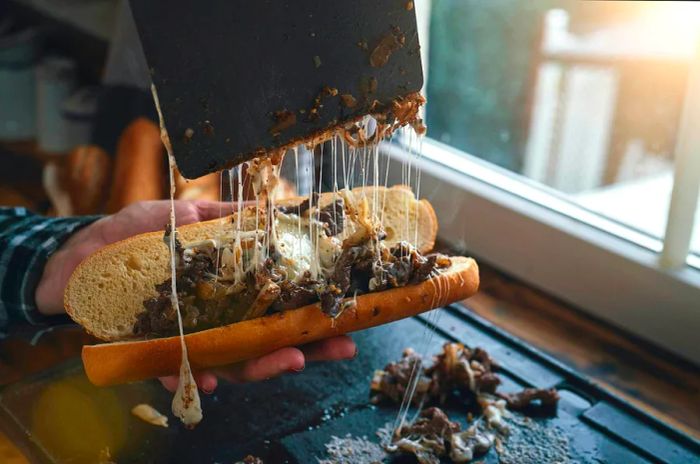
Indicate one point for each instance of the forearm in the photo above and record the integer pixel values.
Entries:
(27, 241)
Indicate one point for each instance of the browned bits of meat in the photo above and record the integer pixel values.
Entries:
(284, 119)
(433, 421)
(392, 41)
(485, 359)
(317, 104)
(409, 6)
(300, 208)
(250, 459)
(457, 369)
(406, 109)
(429, 437)
(418, 126)
(208, 300)
(392, 382)
(208, 128)
(333, 217)
(538, 397)
(348, 100)
(405, 265)
(294, 295)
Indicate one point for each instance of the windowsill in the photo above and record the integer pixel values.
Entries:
(535, 234)
(653, 192)
(653, 380)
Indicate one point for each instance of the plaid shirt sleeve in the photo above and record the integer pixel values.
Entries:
(26, 242)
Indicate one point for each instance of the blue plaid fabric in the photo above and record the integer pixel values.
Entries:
(26, 242)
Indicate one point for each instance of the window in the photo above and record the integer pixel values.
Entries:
(583, 97)
(571, 130)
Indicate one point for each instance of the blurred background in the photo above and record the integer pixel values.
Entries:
(583, 98)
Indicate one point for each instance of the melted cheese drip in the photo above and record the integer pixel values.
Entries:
(186, 403)
(300, 240)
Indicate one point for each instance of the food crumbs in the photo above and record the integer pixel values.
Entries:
(208, 128)
(317, 61)
(150, 415)
(409, 6)
(388, 44)
(189, 132)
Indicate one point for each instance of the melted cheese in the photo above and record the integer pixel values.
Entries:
(186, 404)
(299, 249)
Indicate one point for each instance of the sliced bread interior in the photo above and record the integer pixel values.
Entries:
(106, 291)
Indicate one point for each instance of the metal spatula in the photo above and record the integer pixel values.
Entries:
(239, 77)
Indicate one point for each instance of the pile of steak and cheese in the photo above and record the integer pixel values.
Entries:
(228, 280)
(457, 372)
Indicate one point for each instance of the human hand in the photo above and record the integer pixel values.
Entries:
(152, 216)
(282, 361)
(138, 218)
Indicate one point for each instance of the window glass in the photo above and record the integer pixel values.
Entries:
(584, 97)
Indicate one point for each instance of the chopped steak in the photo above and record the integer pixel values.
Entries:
(433, 421)
(457, 370)
(208, 297)
(300, 208)
(392, 382)
(542, 398)
(333, 217)
(294, 295)
(250, 459)
(458, 367)
(434, 436)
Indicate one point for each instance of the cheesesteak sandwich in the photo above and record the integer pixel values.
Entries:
(264, 278)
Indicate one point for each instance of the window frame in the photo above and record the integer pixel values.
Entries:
(601, 267)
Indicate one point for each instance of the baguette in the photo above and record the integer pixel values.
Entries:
(88, 169)
(204, 188)
(121, 362)
(139, 166)
(107, 290)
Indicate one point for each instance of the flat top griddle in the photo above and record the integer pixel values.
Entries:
(291, 419)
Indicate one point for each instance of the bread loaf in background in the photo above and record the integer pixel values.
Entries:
(89, 174)
(139, 170)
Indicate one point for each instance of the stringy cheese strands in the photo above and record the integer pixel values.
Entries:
(186, 403)
(298, 242)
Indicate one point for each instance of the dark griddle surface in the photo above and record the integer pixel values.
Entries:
(289, 419)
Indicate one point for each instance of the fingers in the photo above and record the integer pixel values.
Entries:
(206, 381)
(170, 383)
(285, 360)
(214, 209)
(265, 367)
(332, 349)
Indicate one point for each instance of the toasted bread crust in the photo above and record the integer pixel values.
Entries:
(121, 362)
